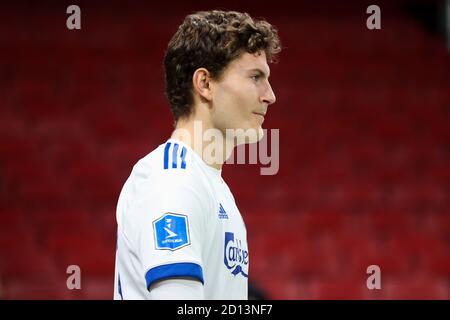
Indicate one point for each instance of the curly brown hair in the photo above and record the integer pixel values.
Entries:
(212, 39)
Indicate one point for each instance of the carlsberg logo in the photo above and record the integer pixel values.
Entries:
(235, 256)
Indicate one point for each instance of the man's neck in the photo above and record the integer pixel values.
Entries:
(209, 143)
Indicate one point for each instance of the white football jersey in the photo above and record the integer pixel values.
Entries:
(177, 217)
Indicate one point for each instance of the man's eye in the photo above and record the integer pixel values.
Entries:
(255, 77)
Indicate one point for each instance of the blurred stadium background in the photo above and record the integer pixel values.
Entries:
(364, 119)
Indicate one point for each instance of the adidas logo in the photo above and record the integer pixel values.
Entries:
(222, 212)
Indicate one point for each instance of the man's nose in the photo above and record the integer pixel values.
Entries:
(269, 96)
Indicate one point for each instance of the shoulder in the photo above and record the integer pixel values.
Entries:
(167, 180)
(169, 162)
(169, 171)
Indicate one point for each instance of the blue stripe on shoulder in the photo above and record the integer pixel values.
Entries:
(183, 158)
(174, 155)
(174, 162)
(166, 155)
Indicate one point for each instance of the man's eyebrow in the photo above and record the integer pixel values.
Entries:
(261, 72)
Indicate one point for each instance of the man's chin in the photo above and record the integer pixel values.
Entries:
(248, 136)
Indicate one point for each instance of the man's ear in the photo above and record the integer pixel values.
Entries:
(201, 81)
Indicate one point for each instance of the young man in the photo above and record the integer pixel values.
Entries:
(180, 234)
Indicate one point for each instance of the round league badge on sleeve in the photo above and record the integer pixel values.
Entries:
(171, 231)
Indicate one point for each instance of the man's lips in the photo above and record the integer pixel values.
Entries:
(260, 113)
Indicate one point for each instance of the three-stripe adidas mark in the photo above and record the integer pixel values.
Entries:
(178, 160)
(222, 212)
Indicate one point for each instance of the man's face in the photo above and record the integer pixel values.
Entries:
(242, 94)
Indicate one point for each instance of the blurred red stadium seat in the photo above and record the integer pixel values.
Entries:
(364, 174)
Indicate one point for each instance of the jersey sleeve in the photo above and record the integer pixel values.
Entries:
(168, 224)
(177, 289)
